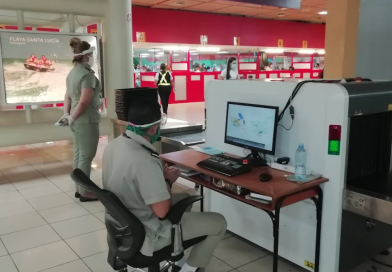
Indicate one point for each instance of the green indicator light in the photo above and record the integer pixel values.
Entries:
(334, 147)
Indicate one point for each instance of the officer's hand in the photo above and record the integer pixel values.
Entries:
(171, 173)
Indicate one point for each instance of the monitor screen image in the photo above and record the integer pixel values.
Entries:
(251, 126)
(35, 66)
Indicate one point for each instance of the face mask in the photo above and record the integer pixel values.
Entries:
(234, 66)
(140, 130)
(90, 61)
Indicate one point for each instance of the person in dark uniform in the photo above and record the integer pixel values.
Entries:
(164, 81)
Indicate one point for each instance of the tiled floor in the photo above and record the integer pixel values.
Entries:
(43, 228)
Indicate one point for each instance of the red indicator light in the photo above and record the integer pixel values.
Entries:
(335, 132)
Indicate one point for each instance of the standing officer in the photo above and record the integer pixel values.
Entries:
(164, 81)
(133, 171)
(81, 110)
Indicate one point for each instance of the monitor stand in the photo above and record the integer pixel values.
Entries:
(257, 160)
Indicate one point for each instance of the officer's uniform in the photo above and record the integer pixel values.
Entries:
(86, 127)
(133, 171)
(164, 88)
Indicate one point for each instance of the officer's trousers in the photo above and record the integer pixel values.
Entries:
(164, 93)
(196, 224)
(86, 137)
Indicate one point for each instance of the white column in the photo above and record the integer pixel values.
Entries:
(71, 23)
(20, 18)
(34, 28)
(117, 44)
(21, 26)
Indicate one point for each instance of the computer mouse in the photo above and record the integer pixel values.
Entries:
(264, 177)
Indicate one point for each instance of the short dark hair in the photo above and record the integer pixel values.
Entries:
(144, 111)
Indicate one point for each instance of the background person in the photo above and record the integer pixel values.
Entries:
(81, 109)
(164, 81)
(136, 176)
(232, 68)
(270, 67)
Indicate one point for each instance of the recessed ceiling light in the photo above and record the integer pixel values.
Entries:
(323, 12)
(282, 8)
(280, 14)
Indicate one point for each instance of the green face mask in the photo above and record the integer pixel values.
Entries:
(141, 132)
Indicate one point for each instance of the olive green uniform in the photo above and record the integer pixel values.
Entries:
(86, 127)
(135, 175)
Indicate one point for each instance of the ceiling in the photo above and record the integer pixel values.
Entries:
(308, 12)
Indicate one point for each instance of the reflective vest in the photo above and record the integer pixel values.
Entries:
(163, 80)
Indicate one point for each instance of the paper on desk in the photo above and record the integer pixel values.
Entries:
(210, 151)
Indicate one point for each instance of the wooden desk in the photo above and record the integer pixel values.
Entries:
(283, 192)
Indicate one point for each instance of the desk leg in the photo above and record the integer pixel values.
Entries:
(202, 201)
(275, 222)
(319, 209)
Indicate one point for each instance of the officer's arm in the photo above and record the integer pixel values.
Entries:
(67, 103)
(161, 209)
(152, 186)
(85, 98)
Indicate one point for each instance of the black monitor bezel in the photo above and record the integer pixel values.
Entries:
(264, 151)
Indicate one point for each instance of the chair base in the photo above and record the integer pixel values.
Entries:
(167, 267)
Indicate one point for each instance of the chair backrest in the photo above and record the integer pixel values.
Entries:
(126, 232)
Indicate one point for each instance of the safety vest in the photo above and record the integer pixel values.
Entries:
(163, 81)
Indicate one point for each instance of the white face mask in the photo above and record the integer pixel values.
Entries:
(90, 61)
(234, 66)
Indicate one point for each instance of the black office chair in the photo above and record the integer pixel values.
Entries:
(126, 232)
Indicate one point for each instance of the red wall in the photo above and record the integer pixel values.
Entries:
(172, 26)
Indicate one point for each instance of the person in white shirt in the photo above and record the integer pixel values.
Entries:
(270, 67)
(232, 68)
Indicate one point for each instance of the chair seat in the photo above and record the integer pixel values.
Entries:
(142, 261)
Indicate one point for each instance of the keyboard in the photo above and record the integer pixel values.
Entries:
(225, 165)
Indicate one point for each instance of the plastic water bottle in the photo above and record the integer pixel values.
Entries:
(300, 163)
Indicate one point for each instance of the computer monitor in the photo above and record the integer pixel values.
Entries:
(252, 127)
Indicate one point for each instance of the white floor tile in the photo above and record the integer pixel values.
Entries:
(77, 226)
(10, 197)
(3, 251)
(30, 238)
(13, 172)
(44, 257)
(76, 266)
(21, 222)
(40, 191)
(63, 213)
(39, 159)
(7, 265)
(6, 187)
(31, 183)
(98, 263)
(265, 265)
(71, 194)
(66, 185)
(237, 252)
(93, 207)
(89, 244)
(51, 201)
(100, 216)
(16, 208)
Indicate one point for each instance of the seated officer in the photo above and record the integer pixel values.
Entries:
(133, 171)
